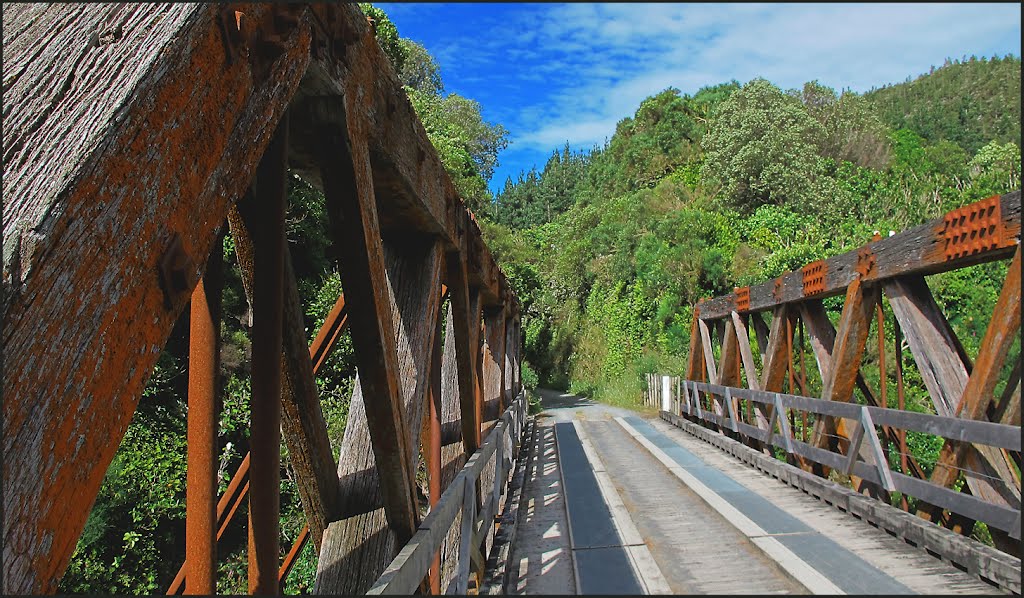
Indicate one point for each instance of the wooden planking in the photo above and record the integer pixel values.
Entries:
(110, 149)
(919, 250)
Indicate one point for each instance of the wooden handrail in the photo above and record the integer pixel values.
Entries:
(1001, 436)
(412, 563)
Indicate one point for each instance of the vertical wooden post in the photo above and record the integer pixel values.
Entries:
(265, 436)
(203, 408)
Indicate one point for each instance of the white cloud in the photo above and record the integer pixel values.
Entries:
(601, 60)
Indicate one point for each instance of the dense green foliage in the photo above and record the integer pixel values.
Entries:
(969, 102)
(608, 251)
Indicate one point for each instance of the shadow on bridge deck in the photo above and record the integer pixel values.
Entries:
(680, 538)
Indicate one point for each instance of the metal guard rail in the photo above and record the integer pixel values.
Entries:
(1000, 436)
(412, 563)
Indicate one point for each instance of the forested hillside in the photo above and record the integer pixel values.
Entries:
(731, 186)
(969, 102)
(695, 195)
(608, 250)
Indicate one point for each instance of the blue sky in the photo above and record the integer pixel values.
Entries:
(557, 73)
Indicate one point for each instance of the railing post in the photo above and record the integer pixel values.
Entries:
(876, 447)
(466, 535)
(732, 410)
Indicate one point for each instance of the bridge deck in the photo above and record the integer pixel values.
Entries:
(616, 503)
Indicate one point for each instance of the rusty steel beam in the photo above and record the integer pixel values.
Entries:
(265, 427)
(330, 331)
(229, 502)
(291, 557)
(920, 250)
(203, 409)
(319, 350)
(432, 443)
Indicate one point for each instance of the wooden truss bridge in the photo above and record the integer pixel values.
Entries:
(135, 134)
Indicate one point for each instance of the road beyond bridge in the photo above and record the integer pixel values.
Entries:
(622, 502)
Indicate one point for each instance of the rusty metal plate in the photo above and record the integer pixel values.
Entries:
(866, 261)
(742, 298)
(973, 228)
(814, 277)
(777, 289)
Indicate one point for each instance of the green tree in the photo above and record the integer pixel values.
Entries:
(420, 71)
(762, 148)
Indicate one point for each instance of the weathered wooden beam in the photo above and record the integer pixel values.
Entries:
(843, 372)
(920, 250)
(747, 355)
(709, 356)
(358, 547)
(773, 372)
(822, 337)
(761, 332)
(729, 363)
(453, 455)
(99, 177)
(976, 399)
(695, 356)
(405, 164)
(352, 206)
(465, 317)
(931, 339)
(302, 421)
(493, 335)
(709, 361)
(851, 339)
